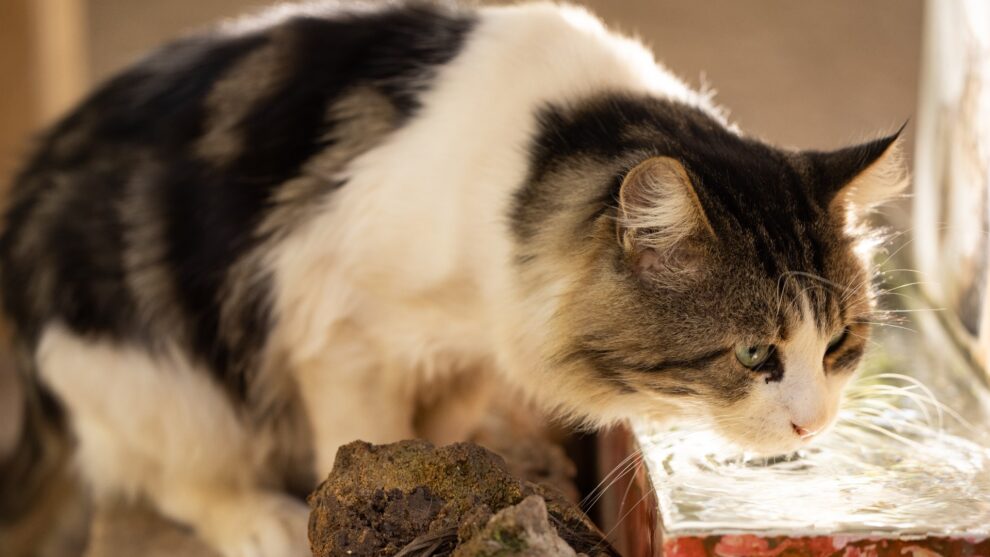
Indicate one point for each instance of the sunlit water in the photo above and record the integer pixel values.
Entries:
(856, 480)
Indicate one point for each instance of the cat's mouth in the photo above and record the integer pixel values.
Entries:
(793, 460)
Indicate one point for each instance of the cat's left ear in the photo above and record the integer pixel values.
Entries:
(661, 224)
(856, 179)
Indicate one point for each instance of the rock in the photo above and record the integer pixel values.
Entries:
(521, 530)
(409, 498)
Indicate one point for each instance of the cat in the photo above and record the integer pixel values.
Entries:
(273, 238)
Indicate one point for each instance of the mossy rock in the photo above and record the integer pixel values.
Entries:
(522, 530)
(411, 498)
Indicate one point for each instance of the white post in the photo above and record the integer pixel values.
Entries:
(952, 172)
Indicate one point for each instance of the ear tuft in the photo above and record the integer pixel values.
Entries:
(856, 179)
(661, 220)
(882, 180)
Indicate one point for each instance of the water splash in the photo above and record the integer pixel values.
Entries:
(887, 472)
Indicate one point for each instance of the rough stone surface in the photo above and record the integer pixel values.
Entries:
(522, 530)
(409, 498)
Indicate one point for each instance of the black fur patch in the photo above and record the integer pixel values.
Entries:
(693, 362)
(772, 368)
(744, 186)
(847, 360)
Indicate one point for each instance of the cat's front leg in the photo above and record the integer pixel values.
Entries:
(352, 392)
(156, 426)
(240, 522)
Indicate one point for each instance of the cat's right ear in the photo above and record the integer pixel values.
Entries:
(662, 226)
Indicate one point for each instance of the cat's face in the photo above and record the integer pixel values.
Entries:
(730, 290)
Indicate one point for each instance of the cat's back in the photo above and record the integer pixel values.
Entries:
(164, 174)
(145, 210)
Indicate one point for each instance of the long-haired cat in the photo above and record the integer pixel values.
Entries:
(268, 240)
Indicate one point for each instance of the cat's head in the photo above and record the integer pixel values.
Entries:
(726, 280)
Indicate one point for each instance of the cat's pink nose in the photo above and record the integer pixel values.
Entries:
(802, 432)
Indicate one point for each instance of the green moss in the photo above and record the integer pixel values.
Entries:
(511, 541)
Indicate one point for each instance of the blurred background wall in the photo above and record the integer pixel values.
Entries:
(805, 74)
(798, 73)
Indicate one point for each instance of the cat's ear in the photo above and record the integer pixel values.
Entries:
(661, 225)
(854, 180)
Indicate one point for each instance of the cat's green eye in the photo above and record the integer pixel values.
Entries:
(836, 340)
(754, 355)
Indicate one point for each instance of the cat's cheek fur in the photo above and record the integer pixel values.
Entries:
(806, 396)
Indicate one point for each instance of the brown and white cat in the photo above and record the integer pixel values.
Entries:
(266, 241)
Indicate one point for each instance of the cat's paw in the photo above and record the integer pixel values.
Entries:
(260, 525)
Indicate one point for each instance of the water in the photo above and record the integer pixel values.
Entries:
(913, 480)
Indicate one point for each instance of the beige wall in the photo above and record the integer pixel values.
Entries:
(43, 64)
(17, 96)
(796, 73)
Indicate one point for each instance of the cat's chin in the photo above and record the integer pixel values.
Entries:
(764, 444)
(767, 452)
(767, 448)
(723, 445)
